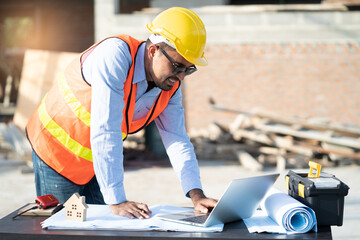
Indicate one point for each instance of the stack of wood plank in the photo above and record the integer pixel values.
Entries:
(259, 139)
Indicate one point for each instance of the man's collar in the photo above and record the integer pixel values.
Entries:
(139, 73)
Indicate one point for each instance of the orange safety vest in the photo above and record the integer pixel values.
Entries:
(59, 130)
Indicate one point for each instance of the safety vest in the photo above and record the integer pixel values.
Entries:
(59, 129)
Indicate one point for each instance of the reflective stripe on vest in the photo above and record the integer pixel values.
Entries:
(57, 132)
(76, 107)
(73, 102)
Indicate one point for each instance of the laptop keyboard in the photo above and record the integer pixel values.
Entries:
(196, 219)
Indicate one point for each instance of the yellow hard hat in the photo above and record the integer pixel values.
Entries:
(183, 29)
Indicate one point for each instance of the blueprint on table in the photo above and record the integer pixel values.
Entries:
(99, 217)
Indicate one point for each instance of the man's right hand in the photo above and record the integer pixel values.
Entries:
(131, 210)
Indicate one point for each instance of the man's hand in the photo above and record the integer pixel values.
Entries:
(131, 210)
(200, 201)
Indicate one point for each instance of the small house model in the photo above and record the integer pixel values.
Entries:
(75, 208)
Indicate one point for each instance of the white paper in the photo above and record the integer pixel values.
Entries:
(100, 217)
(282, 214)
(261, 222)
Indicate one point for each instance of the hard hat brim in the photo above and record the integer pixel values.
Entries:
(199, 62)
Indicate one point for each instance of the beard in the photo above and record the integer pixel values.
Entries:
(167, 84)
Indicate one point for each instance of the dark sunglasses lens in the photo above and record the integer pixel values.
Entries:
(187, 71)
(190, 70)
(178, 70)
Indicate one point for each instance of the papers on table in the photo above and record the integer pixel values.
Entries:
(282, 214)
(99, 217)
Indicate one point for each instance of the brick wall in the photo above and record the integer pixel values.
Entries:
(342, 1)
(303, 79)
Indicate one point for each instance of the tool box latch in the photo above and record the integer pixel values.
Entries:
(311, 170)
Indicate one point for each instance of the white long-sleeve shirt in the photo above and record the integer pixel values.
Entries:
(106, 69)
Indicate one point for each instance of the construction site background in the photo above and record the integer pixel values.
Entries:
(281, 89)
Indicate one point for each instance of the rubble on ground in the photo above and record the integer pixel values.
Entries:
(259, 140)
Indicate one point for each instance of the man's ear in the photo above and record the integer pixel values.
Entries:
(152, 50)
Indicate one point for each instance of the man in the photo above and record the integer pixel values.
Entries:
(121, 84)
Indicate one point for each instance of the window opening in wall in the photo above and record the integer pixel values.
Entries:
(16, 34)
(18, 31)
(129, 6)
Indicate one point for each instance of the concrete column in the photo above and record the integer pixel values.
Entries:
(104, 18)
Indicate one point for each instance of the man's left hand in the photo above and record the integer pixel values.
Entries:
(200, 201)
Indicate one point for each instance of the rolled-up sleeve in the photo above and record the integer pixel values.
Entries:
(171, 126)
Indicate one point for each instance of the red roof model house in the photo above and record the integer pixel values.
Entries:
(75, 208)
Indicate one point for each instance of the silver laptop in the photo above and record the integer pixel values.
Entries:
(241, 198)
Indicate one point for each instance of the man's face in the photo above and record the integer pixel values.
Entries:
(162, 68)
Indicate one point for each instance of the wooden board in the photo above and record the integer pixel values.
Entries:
(40, 69)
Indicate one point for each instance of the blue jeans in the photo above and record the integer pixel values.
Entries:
(48, 181)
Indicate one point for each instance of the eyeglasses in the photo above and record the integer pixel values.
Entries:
(178, 69)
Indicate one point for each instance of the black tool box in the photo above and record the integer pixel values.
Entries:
(324, 193)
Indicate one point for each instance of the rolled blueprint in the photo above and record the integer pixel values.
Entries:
(289, 213)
